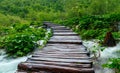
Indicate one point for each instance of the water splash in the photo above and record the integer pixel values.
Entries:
(9, 65)
(109, 52)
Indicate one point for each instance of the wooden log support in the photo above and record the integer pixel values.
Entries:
(53, 68)
(64, 53)
(109, 40)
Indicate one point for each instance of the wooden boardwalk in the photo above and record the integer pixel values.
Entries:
(64, 53)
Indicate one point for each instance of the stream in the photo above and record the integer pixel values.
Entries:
(9, 65)
(109, 52)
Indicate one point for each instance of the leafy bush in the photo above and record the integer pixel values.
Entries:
(19, 44)
(113, 63)
(21, 39)
(98, 24)
(71, 21)
(116, 35)
(89, 34)
(20, 27)
(94, 26)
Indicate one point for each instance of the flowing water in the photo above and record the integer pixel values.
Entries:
(109, 52)
(8, 65)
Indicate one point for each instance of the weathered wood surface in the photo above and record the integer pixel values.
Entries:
(65, 41)
(58, 31)
(64, 53)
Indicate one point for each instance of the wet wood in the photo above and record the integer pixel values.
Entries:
(65, 41)
(61, 64)
(53, 68)
(60, 57)
(64, 53)
(62, 60)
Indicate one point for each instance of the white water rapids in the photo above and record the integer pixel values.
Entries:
(109, 52)
(9, 65)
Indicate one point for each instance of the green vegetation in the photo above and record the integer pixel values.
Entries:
(113, 63)
(19, 40)
(95, 26)
(89, 18)
(21, 23)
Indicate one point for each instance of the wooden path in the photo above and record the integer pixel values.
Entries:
(64, 53)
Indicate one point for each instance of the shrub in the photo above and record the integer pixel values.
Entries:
(116, 35)
(22, 40)
(19, 44)
(98, 24)
(113, 63)
(71, 21)
(20, 27)
(89, 34)
(94, 26)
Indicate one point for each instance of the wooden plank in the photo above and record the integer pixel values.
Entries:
(65, 55)
(69, 46)
(65, 34)
(65, 38)
(62, 50)
(57, 52)
(65, 41)
(80, 55)
(57, 31)
(60, 28)
(75, 65)
(65, 47)
(53, 68)
(50, 49)
(61, 53)
(61, 57)
(62, 60)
